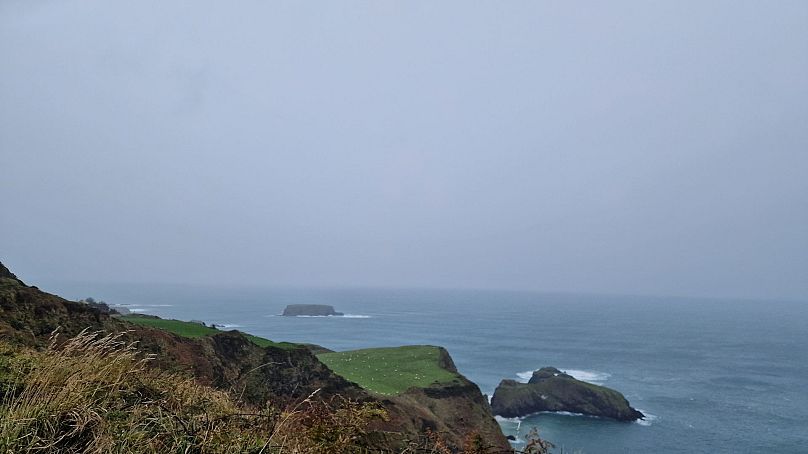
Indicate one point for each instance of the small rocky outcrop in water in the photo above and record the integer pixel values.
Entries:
(294, 310)
(549, 389)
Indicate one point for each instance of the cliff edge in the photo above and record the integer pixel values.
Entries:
(235, 362)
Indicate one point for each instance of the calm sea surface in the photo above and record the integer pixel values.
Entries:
(713, 375)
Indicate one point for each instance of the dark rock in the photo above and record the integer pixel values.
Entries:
(294, 310)
(317, 349)
(453, 409)
(511, 438)
(121, 310)
(445, 360)
(5, 273)
(100, 305)
(547, 372)
(549, 389)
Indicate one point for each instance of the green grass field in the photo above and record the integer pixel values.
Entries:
(390, 370)
(191, 329)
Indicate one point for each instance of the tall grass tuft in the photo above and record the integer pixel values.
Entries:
(94, 394)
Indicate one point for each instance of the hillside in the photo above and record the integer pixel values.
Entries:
(254, 370)
(95, 394)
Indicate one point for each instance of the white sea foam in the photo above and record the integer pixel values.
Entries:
(323, 316)
(228, 325)
(524, 377)
(502, 419)
(517, 441)
(136, 309)
(299, 316)
(589, 376)
(649, 418)
(565, 413)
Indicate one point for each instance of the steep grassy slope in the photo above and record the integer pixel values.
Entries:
(391, 370)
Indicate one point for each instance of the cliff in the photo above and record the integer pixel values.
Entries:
(229, 359)
(456, 410)
(281, 374)
(549, 389)
(423, 389)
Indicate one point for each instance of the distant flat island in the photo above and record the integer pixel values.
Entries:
(311, 310)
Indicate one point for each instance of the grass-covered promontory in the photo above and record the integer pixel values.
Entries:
(391, 370)
(78, 378)
(194, 329)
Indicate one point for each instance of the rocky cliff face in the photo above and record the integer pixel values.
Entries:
(28, 316)
(230, 361)
(549, 389)
(455, 410)
(7, 274)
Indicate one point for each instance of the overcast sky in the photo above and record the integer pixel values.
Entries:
(624, 147)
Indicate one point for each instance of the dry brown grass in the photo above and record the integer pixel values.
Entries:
(94, 394)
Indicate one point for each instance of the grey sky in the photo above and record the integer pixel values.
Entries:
(622, 147)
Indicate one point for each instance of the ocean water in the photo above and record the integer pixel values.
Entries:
(712, 375)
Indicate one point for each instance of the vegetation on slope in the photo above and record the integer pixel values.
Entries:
(193, 330)
(261, 385)
(391, 370)
(94, 395)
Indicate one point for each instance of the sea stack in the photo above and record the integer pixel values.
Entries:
(550, 389)
(311, 310)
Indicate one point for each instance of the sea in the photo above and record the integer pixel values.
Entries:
(712, 375)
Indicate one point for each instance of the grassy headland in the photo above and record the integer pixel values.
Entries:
(193, 329)
(390, 370)
(193, 388)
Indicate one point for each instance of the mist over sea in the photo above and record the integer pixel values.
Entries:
(713, 375)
